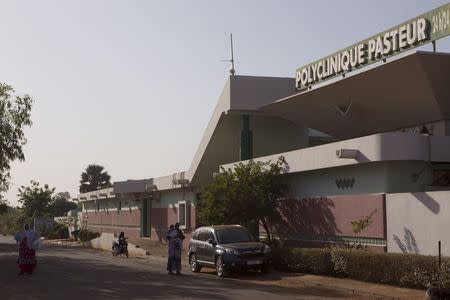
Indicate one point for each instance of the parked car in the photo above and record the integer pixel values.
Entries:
(227, 248)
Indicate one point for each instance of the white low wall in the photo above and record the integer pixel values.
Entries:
(417, 221)
(104, 242)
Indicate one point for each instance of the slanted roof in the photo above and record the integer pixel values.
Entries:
(402, 93)
(241, 95)
(220, 143)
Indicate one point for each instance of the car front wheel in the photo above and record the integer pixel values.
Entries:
(220, 267)
(195, 267)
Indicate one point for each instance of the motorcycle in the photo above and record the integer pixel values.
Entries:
(120, 247)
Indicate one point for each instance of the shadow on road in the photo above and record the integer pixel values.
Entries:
(62, 274)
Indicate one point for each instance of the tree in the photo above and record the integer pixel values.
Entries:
(15, 115)
(35, 199)
(61, 204)
(250, 192)
(3, 205)
(94, 178)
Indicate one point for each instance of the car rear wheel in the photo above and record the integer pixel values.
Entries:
(195, 267)
(220, 267)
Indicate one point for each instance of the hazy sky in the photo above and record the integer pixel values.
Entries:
(131, 85)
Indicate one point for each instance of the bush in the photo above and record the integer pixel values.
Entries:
(408, 270)
(302, 260)
(59, 231)
(12, 221)
(272, 243)
(85, 235)
(75, 233)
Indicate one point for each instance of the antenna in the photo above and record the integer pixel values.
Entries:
(232, 70)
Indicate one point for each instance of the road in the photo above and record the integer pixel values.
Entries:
(80, 273)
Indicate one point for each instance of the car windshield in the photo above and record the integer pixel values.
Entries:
(233, 235)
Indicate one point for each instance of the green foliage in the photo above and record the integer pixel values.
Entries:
(359, 225)
(15, 115)
(61, 204)
(39, 201)
(12, 221)
(250, 192)
(3, 206)
(35, 199)
(59, 231)
(84, 235)
(303, 260)
(407, 270)
(94, 178)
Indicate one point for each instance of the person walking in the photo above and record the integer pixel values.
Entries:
(28, 241)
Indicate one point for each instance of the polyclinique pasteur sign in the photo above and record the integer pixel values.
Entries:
(423, 29)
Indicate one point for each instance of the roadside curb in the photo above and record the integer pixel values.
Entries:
(104, 241)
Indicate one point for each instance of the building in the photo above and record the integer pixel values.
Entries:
(375, 143)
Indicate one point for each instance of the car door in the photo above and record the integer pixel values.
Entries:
(210, 250)
(200, 245)
(193, 243)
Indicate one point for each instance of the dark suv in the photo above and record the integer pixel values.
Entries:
(227, 248)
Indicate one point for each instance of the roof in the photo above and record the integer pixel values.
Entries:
(218, 227)
(105, 193)
(219, 145)
(397, 94)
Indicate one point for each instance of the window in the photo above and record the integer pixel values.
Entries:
(204, 235)
(209, 236)
(195, 235)
(441, 174)
(233, 235)
(201, 236)
(182, 214)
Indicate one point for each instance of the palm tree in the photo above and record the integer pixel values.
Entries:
(94, 178)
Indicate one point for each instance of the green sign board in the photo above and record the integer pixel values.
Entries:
(413, 33)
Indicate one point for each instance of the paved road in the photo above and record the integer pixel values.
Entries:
(79, 273)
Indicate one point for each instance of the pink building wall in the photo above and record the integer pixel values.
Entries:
(331, 216)
(128, 221)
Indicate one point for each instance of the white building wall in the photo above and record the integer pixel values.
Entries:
(170, 198)
(417, 221)
(368, 178)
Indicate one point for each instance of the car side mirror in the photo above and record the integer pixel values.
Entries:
(212, 242)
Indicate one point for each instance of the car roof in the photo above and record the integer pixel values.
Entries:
(218, 227)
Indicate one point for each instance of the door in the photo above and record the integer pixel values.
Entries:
(210, 250)
(146, 217)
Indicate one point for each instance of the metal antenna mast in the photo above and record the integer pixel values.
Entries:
(232, 70)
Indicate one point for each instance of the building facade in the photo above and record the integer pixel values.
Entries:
(376, 143)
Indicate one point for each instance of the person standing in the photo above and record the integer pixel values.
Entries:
(179, 232)
(170, 237)
(175, 239)
(28, 241)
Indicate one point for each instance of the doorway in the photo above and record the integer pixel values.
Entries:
(146, 218)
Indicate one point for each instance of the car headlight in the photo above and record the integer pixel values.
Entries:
(232, 251)
(266, 249)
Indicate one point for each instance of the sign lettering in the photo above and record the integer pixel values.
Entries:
(413, 33)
